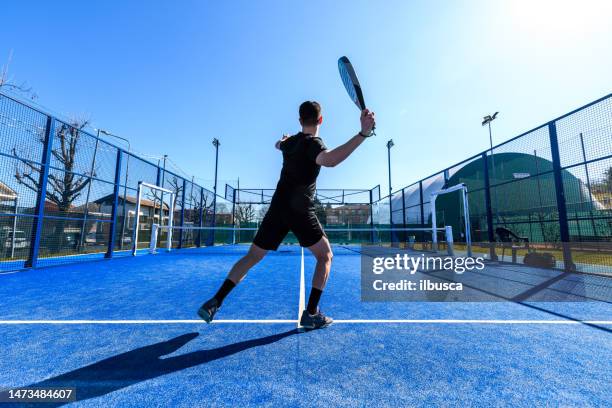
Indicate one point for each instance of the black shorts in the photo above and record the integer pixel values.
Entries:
(279, 221)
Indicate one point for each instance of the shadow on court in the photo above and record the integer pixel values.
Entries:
(145, 363)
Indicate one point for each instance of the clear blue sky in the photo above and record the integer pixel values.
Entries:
(170, 76)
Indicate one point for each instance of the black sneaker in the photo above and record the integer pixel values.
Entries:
(208, 310)
(315, 321)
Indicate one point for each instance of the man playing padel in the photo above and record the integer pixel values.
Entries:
(292, 209)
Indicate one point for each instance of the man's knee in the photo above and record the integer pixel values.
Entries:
(325, 256)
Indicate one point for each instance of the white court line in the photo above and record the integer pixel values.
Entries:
(233, 321)
(302, 301)
(277, 321)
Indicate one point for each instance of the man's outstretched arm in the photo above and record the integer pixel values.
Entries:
(331, 158)
(277, 145)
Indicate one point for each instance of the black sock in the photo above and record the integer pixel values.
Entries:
(313, 300)
(224, 290)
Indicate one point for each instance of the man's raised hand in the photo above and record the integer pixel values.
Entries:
(368, 121)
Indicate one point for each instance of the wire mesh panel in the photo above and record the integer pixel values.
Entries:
(135, 170)
(80, 179)
(551, 185)
(224, 212)
(585, 150)
(22, 130)
(193, 204)
(381, 213)
(542, 183)
(585, 135)
(80, 194)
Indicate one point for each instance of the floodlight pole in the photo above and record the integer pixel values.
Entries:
(215, 143)
(487, 121)
(390, 144)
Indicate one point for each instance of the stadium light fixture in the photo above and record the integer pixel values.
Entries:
(487, 121)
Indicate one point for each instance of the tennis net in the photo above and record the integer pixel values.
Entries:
(418, 239)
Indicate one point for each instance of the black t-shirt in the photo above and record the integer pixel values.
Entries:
(298, 180)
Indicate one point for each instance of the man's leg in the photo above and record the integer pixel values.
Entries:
(312, 318)
(235, 275)
(323, 254)
(240, 268)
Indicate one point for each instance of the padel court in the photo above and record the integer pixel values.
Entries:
(125, 333)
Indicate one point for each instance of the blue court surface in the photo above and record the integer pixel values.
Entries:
(124, 333)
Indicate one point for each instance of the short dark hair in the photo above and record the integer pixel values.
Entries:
(310, 111)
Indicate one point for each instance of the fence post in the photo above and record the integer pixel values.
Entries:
(180, 234)
(404, 237)
(113, 228)
(421, 203)
(200, 218)
(233, 214)
(42, 194)
(489, 210)
(422, 208)
(371, 218)
(391, 213)
(561, 207)
(233, 206)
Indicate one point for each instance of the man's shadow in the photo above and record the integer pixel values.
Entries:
(145, 363)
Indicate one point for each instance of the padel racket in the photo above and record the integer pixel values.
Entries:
(351, 83)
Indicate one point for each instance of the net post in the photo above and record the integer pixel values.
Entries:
(170, 221)
(154, 235)
(449, 239)
(137, 219)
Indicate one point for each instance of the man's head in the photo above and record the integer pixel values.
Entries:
(310, 114)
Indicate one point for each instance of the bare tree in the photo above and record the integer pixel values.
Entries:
(244, 214)
(65, 187)
(9, 84)
(263, 209)
(605, 185)
(194, 198)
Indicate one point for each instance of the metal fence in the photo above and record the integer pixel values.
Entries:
(343, 208)
(67, 195)
(552, 185)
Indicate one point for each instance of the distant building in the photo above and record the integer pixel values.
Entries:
(149, 210)
(347, 214)
(8, 199)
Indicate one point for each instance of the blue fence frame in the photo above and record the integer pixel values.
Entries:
(68, 154)
(40, 178)
(566, 158)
